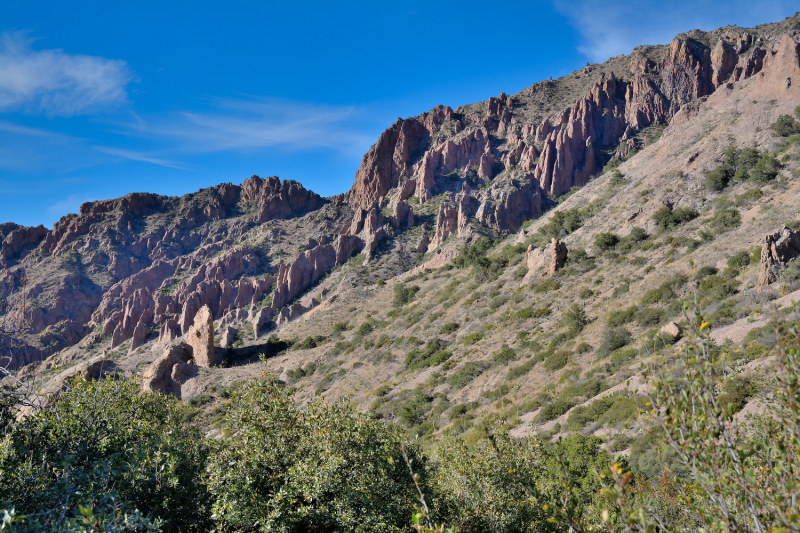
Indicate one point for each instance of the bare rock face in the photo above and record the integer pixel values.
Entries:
(228, 337)
(777, 249)
(18, 240)
(276, 198)
(553, 256)
(424, 242)
(201, 338)
(169, 371)
(446, 224)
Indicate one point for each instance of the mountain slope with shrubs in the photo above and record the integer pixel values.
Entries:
(492, 323)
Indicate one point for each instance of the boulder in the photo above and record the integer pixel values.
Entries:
(553, 255)
(158, 377)
(673, 330)
(201, 338)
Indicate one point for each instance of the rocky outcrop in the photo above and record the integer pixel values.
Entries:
(19, 239)
(553, 256)
(672, 330)
(777, 249)
(277, 199)
(228, 337)
(446, 224)
(201, 338)
(170, 371)
(389, 161)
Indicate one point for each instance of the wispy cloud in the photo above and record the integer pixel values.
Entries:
(250, 124)
(137, 156)
(55, 83)
(68, 205)
(615, 27)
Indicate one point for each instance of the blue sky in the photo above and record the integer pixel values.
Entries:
(98, 99)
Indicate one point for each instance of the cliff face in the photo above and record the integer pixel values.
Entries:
(566, 149)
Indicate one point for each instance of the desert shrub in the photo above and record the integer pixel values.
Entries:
(668, 218)
(663, 293)
(465, 375)
(786, 126)
(557, 360)
(735, 393)
(585, 293)
(306, 344)
(636, 235)
(704, 271)
(505, 485)
(505, 355)
(404, 294)
(325, 468)
(521, 370)
(613, 339)
(750, 196)
(739, 261)
(472, 338)
(605, 241)
(555, 409)
(622, 316)
(498, 301)
(531, 312)
(717, 179)
(107, 447)
(575, 318)
(433, 354)
(650, 316)
(448, 328)
(547, 285)
(766, 169)
(562, 223)
(584, 348)
(364, 329)
(339, 327)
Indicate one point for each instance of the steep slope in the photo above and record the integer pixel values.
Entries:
(432, 323)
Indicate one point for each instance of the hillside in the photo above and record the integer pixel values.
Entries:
(432, 293)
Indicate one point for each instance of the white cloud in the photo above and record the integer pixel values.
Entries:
(253, 124)
(615, 27)
(68, 205)
(56, 83)
(137, 156)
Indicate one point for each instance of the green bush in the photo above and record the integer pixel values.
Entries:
(766, 169)
(668, 218)
(465, 375)
(750, 196)
(622, 316)
(521, 370)
(530, 312)
(505, 355)
(726, 220)
(404, 294)
(108, 447)
(717, 179)
(547, 285)
(605, 241)
(575, 318)
(584, 348)
(650, 316)
(739, 261)
(613, 339)
(472, 338)
(557, 360)
(786, 126)
(433, 354)
(555, 409)
(319, 468)
(448, 328)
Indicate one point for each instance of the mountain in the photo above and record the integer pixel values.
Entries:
(507, 262)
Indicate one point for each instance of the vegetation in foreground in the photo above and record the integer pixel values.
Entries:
(103, 456)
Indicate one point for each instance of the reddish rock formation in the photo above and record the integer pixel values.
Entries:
(167, 373)
(777, 249)
(201, 338)
(553, 256)
(17, 240)
(446, 224)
